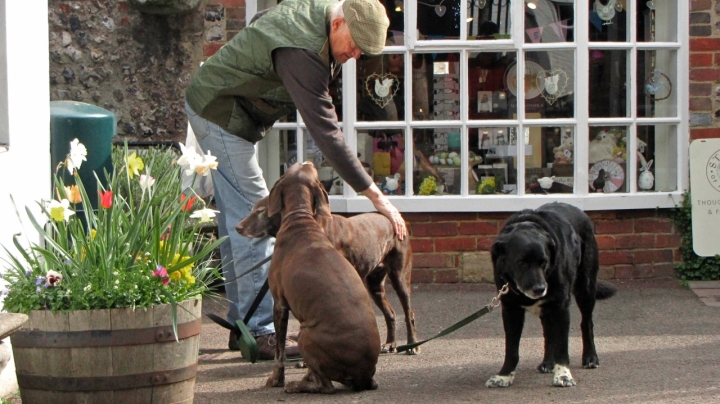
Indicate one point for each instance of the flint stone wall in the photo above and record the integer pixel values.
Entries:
(137, 65)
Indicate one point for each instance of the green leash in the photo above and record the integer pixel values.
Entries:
(495, 302)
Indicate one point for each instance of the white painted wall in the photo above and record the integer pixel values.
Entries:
(24, 121)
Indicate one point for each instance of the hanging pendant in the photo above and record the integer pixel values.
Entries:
(382, 87)
(552, 83)
(606, 12)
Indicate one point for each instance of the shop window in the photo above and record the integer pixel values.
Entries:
(607, 156)
(492, 158)
(656, 78)
(547, 21)
(549, 81)
(380, 88)
(444, 96)
(657, 158)
(492, 85)
(608, 83)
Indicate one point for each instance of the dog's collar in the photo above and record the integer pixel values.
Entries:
(298, 212)
(511, 286)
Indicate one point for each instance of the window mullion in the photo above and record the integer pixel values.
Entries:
(409, 143)
(518, 37)
(633, 79)
(464, 142)
(582, 103)
(349, 89)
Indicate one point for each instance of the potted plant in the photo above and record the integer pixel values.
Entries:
(113, 293)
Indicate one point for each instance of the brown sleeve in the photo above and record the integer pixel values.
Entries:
(306, 79)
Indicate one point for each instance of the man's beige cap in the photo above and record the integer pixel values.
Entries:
(368, 24)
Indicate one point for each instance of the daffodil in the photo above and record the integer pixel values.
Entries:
(189, 159)
(205, 215)
(134, 165)
(77, 155)
(208, 162)
(59, 211)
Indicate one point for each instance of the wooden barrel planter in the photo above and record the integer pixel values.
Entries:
(108, 356)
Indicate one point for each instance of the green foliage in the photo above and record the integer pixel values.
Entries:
(693, 267)
(141, 247)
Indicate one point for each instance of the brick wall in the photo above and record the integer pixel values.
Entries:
(223, 20)
(704, 69)
(455, 247)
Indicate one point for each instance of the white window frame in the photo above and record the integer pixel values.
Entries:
(351, 202)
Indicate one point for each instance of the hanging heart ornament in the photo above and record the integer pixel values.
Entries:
(552, 83)
(382, 87)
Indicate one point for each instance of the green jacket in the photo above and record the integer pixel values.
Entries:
(237, 88)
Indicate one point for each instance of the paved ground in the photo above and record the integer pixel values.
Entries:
(658, 343)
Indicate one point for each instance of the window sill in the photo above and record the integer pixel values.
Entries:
(512, 203)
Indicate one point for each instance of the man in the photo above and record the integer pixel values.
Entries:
(285, 59)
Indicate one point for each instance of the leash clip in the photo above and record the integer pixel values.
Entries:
(495, 302)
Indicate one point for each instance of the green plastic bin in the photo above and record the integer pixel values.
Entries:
(94, 127)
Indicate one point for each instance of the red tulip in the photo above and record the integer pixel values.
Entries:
(106, 199)
(190, 202)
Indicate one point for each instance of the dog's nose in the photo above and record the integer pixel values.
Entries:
(539, 290)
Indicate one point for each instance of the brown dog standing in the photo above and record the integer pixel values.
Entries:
(368, 241)
(338, 336)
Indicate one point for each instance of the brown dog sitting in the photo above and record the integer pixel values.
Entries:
(338, 338)
(368, 241)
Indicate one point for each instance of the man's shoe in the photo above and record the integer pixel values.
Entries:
(266, 347)
(233, 341)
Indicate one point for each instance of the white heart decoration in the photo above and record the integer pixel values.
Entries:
(440, 10)
(552, 83)
(382, 87)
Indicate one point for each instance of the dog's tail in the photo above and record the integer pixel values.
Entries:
(604, 290)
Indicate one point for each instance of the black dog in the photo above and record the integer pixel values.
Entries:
(544, 255)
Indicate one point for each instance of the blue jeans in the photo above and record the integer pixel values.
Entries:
(238, 184)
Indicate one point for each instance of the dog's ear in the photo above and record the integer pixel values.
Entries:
(497, 249)
(275, 203)
(320, 196)
(552, 250)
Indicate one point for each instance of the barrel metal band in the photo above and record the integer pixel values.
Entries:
(106, 383)
(103, 338)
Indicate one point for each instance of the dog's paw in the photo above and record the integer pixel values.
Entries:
(301, 365)
(387, 348)
(546, 367)
(562, 377)
(413, 351)
(277, 378)
(293, 387)
(272, 381)
(500, 381)
(591, 362)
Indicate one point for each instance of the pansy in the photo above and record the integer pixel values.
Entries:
(134, 165)
(53, 278)
(205, 215)
(146, 182)
(77, 155)
(59, 211)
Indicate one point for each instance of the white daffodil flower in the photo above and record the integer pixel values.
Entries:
(189, 159)
(208, 163)
(77, 155)
(205, 215)
(59, 211)
(146, 182)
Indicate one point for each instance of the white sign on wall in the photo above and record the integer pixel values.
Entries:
(705, 193)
